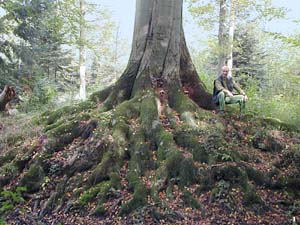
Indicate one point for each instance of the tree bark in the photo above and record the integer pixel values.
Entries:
(6, 96)
(82, 53)
(231, 35)
(159, 57)
(222, 35)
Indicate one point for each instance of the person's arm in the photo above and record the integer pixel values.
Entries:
(240, 90)
(220, 87)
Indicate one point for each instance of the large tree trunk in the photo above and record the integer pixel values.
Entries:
(159, 57)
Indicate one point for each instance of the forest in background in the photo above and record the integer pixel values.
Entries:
(81, 145)
(40, 42)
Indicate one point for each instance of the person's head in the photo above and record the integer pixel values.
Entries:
(225, 70)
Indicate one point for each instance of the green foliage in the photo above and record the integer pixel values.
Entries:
(2, 222)
(248, 55)
(10, 198)
(43, 96)
(37, 49)
(190, 201)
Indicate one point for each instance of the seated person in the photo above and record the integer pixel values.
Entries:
(223, 92)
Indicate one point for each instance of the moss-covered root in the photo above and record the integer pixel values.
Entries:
(139, 199)
(149, 118)
(140, 156)
(33, 178)
(175, 169)
(51, 117)
(98, 193)
(55, 198)
(100, 96)
(185, 107)
(123, 114)
(103, 169)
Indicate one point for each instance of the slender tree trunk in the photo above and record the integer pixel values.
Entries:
(231, 35)
(222, 35)
(82, 53)
(159, 57)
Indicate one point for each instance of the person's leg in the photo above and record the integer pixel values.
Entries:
(221, 98)
(237, 99)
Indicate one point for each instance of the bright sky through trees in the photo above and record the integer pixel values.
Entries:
(123, 12)
(126, 17)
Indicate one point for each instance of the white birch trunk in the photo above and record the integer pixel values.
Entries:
(82, 54)
(231, 36)
(221, 35)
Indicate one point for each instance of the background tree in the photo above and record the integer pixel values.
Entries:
(240, 13)
(82, 52)
(222, 34)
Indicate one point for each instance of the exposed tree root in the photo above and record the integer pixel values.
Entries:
(144, 147)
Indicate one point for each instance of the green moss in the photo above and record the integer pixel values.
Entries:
(222, 194)
(257, 176)
(200, 154)
(34, 178)
(115, 180)
(188, 172)
(177, 167)
(71, 126)
(133, 178)
(100, 190)
(160, 182)
(51, 117)
(141, 155)
(172, 163)
(251, 198)
(149, 117)
(100, 210)
(9, 169)
(120, 133)
(273, 122)
(139, 199)
(292, 157)
(230, 173)
(182, 103)
(186, 138)
(169, 192)
(15, 139)
(165, 144)
(7, 157)
(190, 201)
(100, 96)
(129, 109)
(292, 183)
(220, 191)
(54, 125)
(264, 141)
(101, 172)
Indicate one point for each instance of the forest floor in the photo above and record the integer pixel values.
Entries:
(222, 202)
